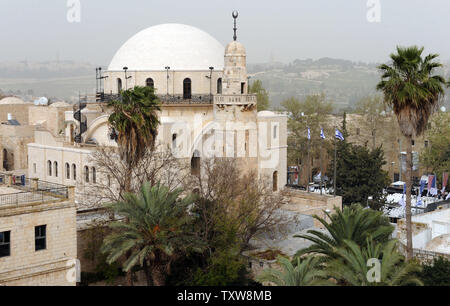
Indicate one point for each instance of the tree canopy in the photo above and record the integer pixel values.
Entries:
(261, 93)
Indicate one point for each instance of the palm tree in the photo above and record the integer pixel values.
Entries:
(352, 266)
(413, 91)
(306, 272)
(135, 119)
(353, 223)
(158, 229)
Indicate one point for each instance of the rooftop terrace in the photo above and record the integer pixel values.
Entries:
(18, 190)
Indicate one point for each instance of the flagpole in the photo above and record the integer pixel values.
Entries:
(309, 164)
(321, 166)
(335, 165)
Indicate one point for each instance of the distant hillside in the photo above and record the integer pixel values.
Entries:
(58, 80)
(344, 82)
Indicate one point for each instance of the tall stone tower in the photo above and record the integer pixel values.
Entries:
(235, 68)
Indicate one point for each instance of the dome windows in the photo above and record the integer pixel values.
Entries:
(187, 89)
(150, 83)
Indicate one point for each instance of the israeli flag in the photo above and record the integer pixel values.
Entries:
(339, 135)
(419, 201)
(402, 201)
(322, 134)
(309, 134)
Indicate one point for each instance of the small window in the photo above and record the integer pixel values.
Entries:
(275, 132)
(413, 142)
(108, 180)
(187, 89)
(55, 165)
(174, 141)
(68, 171)
(94, 175)
(40, 239)
(34, 168)
(74, 172)
(49, 168)
(426, 144)
(242, 88)
(219, 86)
(5, 244)
(119, 85)
(149, 83)
(86, 174)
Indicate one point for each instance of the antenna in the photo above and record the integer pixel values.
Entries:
(235, 15)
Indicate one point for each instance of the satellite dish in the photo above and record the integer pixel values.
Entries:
(443, 109)
(41, 101)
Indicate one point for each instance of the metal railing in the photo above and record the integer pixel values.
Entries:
(30, 191)
(164, 99)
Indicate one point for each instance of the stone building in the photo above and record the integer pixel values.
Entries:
(38, 245)
(18, 122)
(206, 110)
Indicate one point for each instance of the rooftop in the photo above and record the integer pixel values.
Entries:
(16, 191)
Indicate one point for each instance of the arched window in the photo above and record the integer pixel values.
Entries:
(74, 172)
(187, 89)
(55, 166)
(219, 86)
(149, 82)
(108, 180)
(195, 163)
(67, 171)
(94, 175)
(8, 160)
(49, 168)
(119, 85)
(275, 181)
(275, 132)
(34, 168)
(86, 174)
(174, 141)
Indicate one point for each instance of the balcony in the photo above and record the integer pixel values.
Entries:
(235, 99)
(16, 191)
(164, 99)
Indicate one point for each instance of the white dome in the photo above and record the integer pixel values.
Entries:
(11, 100)
(179, 46)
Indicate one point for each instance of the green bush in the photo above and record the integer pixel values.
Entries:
(223, 269)
(437, 273)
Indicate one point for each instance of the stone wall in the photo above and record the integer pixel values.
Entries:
(25, 266)
(312, 204)
(18, 111)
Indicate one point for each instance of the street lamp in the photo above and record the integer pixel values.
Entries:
(167, 69)
(126, 78)
(211, 69)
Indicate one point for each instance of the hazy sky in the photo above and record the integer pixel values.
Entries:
(286, 29)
